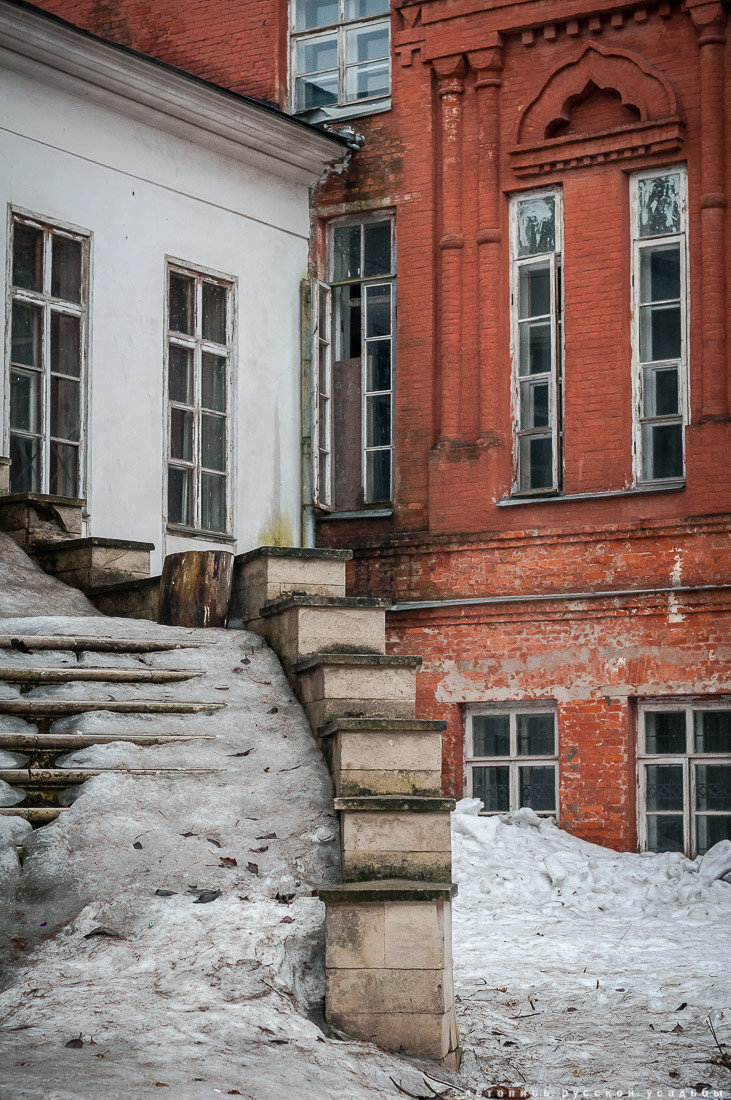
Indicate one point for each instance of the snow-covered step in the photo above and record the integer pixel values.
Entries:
(384, 756)
(31, 642)
(68, 777)
(395, 836)
(97, 675)
(36, 815)
(66, 742)
(58, 708)
(357, 685)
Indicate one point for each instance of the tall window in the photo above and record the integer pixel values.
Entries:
(684, 777)
(199, 342)
(511, 759)
(49, 295)
(659, 226)
(353, 352)
(341, 53)
(537, 313)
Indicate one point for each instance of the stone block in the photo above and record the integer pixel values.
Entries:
(395, 837)
(372, 760)
(416, 1034)
(301, 626)
(355, 935)
(33, 518)
(93, 562)
(342, 685)
(132, 600)
(270, 572)
(388, 990)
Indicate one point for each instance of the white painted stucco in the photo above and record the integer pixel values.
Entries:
(71, 152)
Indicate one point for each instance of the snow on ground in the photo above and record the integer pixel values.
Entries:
(26, 590)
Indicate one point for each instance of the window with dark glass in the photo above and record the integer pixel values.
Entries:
(341, 53)
(199, 343)
(47, 357)
(512, 759)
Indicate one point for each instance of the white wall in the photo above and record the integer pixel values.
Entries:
(145, 194)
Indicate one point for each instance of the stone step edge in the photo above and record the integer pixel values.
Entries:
(393, 803)
(387, 889)
(41, 814)
(355, 660)
(55, 547)
(91, 644)
(381, 725)
(100, 675)
(328, 603)
(47, 742)
(41, 498)
(26, 708)
(41, 776)
(299, 553)
(125, 586)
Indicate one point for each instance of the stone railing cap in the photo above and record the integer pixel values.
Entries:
(387, 889)
(367, 660)
(394, 803)
(303, 599)
(381, 725)
(92, 540)
(43, 498)
(301, 553)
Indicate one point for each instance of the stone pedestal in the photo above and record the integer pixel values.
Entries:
(350, 685)
(269, 572)
(33, 518)
(301, 626)
(393, 836)
(382, 756)
(93, 562)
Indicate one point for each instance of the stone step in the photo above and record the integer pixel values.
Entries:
(131, 600)
(270, 572)
(32, 518)
(90, 644)
(18, 741)
(395, 836)
(101, 675)
(57, 708)
(36, 815)
(302, 626)
(69, 777)
(372, 756)
(335, 685)
(88, 562)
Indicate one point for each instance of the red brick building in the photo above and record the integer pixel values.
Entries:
(532, 461)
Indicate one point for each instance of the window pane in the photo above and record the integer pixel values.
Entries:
(65, 409)
(316, 55)
(25, 400)
(379, 365)
(665, 833)
(367, 81)
(664, 786)
(537, 788)
(180, 496)
(491, 735)
(660, 333)
(213, 382)
(713, 787)
(492, 786)
(711, 830)
(659, 205)
(27, 257)
(316, 91)
(660, 273)
(347, 321)
(66, 344)
(536, 466)
(377, 247)
(663, 450)
(534, 405)
(64, 470)
(315, 13)
(534, 291)
(182, 303)
(536, 226)
(665, 732)
(214, 312)
(25, 465)
(213, 502)
(378, 310)
(346, 252)
(661, 396)
(536, 734)
(378, 477)
(66, 269)
(378, 420)
(213, 442)
(180, 374)
(361, 9)
(712, 730)
(369, 43)
(535, 347)
(181, 434)
(26, 335)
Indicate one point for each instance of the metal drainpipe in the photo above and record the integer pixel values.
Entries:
(307, 532)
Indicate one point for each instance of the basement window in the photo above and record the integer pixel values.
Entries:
(340, 56)
(684, 759)
(353, 367)
(198, 369)
(512, 759)
(48, 333)
(537, 341)
(660, 323)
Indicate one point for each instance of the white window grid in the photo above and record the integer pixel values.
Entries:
(642, 401)
(199, 347)
(49, 305)
(322, 395)
(514, 761)
(686, 760)
(554, 379)
(346, 102)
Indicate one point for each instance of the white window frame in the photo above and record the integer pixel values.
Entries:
(513, 761)
(48, 304)
(639, 457)
(686, 760)
(198, 345)
(321, 396)
(555, 379)
(344, 108)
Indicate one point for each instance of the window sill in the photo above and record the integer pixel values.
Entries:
(612, 494)
(193, 533)
(366, 513)
(318, 115)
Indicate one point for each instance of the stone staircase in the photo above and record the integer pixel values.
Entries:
(388, 925)
(32, 664)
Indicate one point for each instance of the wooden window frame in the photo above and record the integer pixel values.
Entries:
(513, 761)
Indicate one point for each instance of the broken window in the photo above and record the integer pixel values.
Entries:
(512, 760)
(199, 342)
(341, 54)
(659, 212)
(684, 777)
(354, 330)
(537, 314)
(49, 296)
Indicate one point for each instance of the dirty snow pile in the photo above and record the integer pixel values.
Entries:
(578, 967)
(26, 590)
